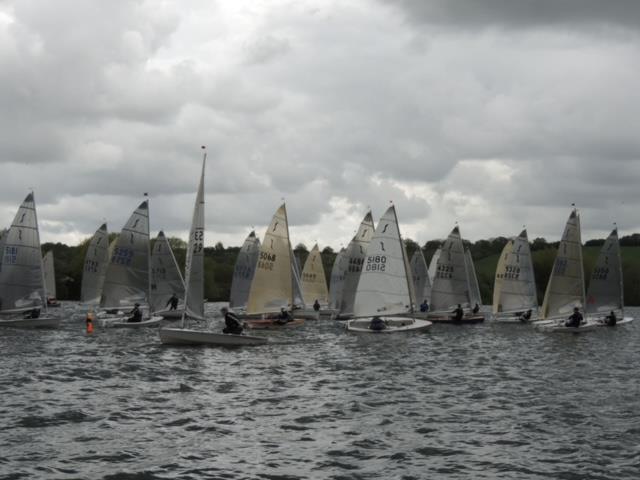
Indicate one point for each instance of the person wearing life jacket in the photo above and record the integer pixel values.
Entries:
(525, 316)
(136, 314)
(89, 322)
(458, 313)
(231, 322)
(172, 303)
(476, 309)
(575, 319)
(284, 317)
(377, 324)
(424, 306)
(316, 305)
(610, 320)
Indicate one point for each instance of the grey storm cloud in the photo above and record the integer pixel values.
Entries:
(334, 107)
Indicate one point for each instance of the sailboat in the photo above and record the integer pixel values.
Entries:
(96, 261)
(514, 287)
(433, 266)
(243, 272)
(451, 285)
(354, 256)
(21, 273)
(50, 279)
(272, 287)
(314, 286)
(605, 292)
(385, 289)
(336, 280)
(420, 277)
(127, 277)
(565, 290)
(194, 291)
(166, 280)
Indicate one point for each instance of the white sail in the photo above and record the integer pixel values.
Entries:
(166, 279)
(433, 266)
(337, 280)
(355, 254)
(96, 261)
(298, 297)
(272, 285)
(514, 288)
(194, 269)
(243, 271)
(565, 289)
(314, 282)
(21, 275)
(472, 280)
(49, 275)
(127, 278)
(450, 286)
(420, 277)
(384, 287)
(605, 286)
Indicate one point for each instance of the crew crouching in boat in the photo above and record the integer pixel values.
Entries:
(575, 319)
(284, 317)
(610, 320)
(458, 313)
(316, 305)
(476, 309)
(33, 313)
(136, 314)
(231, 322)
(526, 316)
(377, 324)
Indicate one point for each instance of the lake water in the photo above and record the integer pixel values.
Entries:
(458, 402)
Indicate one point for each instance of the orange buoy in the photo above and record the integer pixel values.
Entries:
(90, 322)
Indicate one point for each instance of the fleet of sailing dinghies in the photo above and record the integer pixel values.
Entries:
(272, 287)
(354, 257)
(243, 272)
(453, 283)
(95, 267)
(22, 291)
(514, 288)
(50, 279)
(384, 297)
(194, 292)
(420, 277)
(166, 280)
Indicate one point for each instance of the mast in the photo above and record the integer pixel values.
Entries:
(148, 254)
(286, 221)
(44, 290)
(584, 294)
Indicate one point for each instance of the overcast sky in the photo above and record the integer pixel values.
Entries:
(491, 113)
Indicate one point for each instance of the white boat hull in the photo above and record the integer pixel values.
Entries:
(44, 321)
(393, 325)
(170, 314)
(621, 321)
(179, 336)
(122, 323)
(558, 326)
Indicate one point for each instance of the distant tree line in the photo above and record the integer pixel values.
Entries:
(220, 260)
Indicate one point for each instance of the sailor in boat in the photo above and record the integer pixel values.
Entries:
(424, 306)
(316, 305)
(284, 317)
(33, 313)
(525, 316)
(172, 303)
(136, 314)
(231, 322)
(575, 319)
(458, 313)
(610, 320)
(476, 309)
(377, 324)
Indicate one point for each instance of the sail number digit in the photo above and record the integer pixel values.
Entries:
(376, 263)
(198, 241)
(355, 264)
(122, 256)
(444, 271)
(10, 256)
(266, 260)
(600, 273)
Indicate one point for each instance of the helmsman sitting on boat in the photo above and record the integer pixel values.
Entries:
(575, 319)
(231, 322)
(284, 317)
(458, 313)
(610, 320)
(424, 306)
(136, 314)
(377, 324)
(525, 316)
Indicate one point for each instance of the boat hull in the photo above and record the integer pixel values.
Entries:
(555, 326)
(122, 323)
(393, 325)
(479, 318)
(178, 336)
(269, 323)
(170, 314)
(44, 321)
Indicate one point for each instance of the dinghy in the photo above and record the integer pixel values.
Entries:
(384, 298)
(194, 289)
(272, 289)
(605, 294)
(514, 288)
(354, 258)
(420, 277)
(96, 261)
(314, 287)
(50, 279)
(166, 280)
(243, 272)
(451, 286)
(565, 290)
(22, 291)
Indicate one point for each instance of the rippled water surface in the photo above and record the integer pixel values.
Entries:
(487, 401)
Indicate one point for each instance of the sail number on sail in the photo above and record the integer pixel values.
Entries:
(266, 260)
(510, 273)
(444, 271)
(91, 266)
(376, 263)
(122, 256)
(198, 244)
(10, 255)
(600, 273)
(355, 264)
